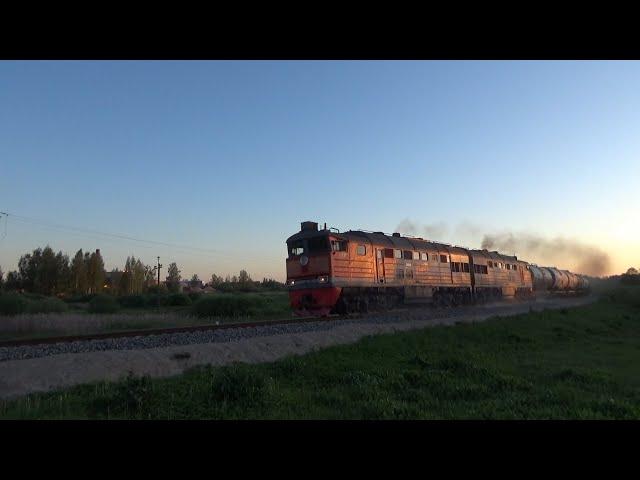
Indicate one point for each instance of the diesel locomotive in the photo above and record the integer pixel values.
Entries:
(355, 271)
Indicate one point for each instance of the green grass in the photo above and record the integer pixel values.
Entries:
(77, 319)
(578, 363)
(234, 305)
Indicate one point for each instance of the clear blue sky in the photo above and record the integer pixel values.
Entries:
(231, 156)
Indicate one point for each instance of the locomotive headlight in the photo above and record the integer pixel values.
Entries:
(290, 282)
(323, 279)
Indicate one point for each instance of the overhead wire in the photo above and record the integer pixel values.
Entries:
(184, 249)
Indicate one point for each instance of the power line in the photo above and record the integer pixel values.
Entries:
(114, 235)
(85, 231)
(6, 217)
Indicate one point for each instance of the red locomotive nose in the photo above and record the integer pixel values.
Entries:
(314, 301)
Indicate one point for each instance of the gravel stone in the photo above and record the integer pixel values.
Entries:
(427, 314)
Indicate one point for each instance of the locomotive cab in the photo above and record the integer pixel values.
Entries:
(309, 270)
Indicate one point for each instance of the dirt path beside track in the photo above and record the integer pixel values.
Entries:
(21, 377)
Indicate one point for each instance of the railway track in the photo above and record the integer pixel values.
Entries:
(193, 328)
(169, 330)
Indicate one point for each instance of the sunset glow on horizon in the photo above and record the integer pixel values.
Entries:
(219, 162)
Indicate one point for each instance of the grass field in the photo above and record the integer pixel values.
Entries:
(222, 308)
(580, 363)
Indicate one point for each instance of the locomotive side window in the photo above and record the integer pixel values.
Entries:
(490, 264)
(424, 256)
(338, 245)
(481, 269)
(388, 253)
(465, 267)
(361, 250)
(407, 254)
(508, 267)
(397, 254)
(444, 259)
(434, 258)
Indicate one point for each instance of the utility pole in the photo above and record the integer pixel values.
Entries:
(159, 267)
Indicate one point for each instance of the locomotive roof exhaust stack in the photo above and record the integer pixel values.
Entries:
(309, 226)
(396, 234)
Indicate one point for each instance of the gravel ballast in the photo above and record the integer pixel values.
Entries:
(234, 334)
(25, 369)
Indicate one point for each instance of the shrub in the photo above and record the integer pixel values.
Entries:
(178, 299)
(48, 305)
(229, 305)
(80, 298)
(34, 296)
(630, 279)
(13, 304)
(195, 296)
(156, 300)
(629, 296)
(132, 301)
(103, 304)
(158, 289)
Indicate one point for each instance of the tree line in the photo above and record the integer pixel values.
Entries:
(241, 282)
(48, 273)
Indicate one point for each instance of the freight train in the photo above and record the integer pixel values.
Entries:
(355, 271)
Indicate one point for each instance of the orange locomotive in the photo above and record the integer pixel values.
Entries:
(333, 272)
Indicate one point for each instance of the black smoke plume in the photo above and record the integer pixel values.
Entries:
(557, 252)
(561, 252)
(429, 232)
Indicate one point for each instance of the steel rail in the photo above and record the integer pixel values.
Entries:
(168, 330)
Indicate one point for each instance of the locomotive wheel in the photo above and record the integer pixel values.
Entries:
(363, 305)
(382, 302)
(341, 306)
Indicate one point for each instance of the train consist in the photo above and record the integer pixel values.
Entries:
(354, 271)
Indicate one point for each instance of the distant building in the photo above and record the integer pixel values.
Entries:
(112, 279)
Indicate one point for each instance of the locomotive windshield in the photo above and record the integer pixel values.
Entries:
(296, 248)
(310, 246)
(318, 245)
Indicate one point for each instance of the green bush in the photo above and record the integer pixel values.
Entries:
(630, 279)
(34, 296)
(625, 295)
(103, 304)
(132, 301)
(178, 299)
(47, 305)
(229, 305)
(195, 296)
(13, 304)
(155, 300)
(158, 290)
(80, 298)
